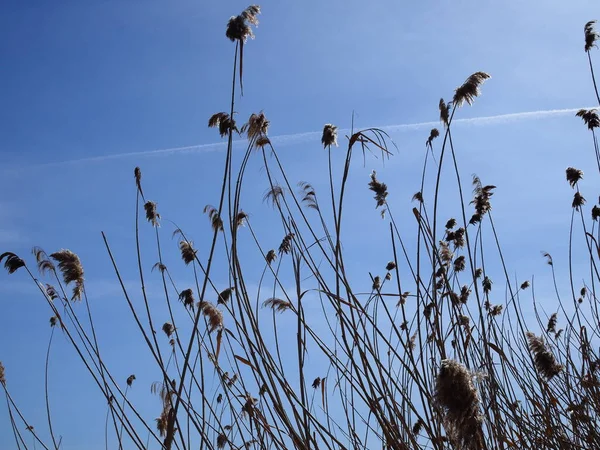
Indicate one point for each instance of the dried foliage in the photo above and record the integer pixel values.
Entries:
(430, 353)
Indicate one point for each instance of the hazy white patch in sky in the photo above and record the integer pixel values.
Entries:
(315, 136)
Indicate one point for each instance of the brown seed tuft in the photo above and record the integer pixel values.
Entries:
(188, 254)
(434, 133)
(130, 380)
(316, 383)
(12, 263)
(379, 188)
(277, 304)
(286, 244)
(551, 327)
(329, 137)
(469, 90)
(213, 314)
(573, 176)
(214, 217)
(187, 298)
(222, 440)
(2, 374)
(53, 321)
(225, 295)
(591, 36)
(151, 215)
(168, 329)
(445, 111)
(71, 269)
(224, 122)
(456, 394)
(238, 27)
(271, 256)
(544, 360)
(589, 117)
(256, 128)
(578, 201)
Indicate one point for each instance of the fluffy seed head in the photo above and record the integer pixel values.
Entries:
(187, 298)
(213, 314)
(329, 135)
(456, 394)
(469, 90)
(589, 117)
(434, 133)
(277, 304)
(151, 215)
(12, 263)
(2, 374)
(130, 380)
(578, 201)
(188, 254)
(379, 188)
(224, 122)
(573, 176)
(238, 27)
(544, 360)
(591, 36)
(71, 269)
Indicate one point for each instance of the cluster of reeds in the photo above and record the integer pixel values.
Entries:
(433, 355)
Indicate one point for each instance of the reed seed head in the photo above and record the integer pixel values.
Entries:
(256, 127)
(456, 394)
(222, 440)
(578, 201)
(213, 315)
(329, 137)
(380, 190)
(277, 304)
(225, 295)
(130, 380)
(445, 111)
(271, 256)
(239, 27)
(223, 122)
(591, 36)
(214, 217)
(595, 213)
(434, 133)
(573, 176)
(12, 263)
(187, 298)
(168, 329)
(551, 327)
(544, 360)
(71, 269)
(151, 215)
(589, 117)
(470, 89)
(188, 254)
(53, 321)
(2, 374)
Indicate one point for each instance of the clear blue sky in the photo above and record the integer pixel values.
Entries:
(84, 79)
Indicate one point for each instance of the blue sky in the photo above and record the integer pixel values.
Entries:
(91, 79)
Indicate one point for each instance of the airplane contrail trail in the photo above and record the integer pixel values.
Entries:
(296, 138)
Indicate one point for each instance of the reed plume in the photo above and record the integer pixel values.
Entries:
(544, 360)
(470, 89)
(458, 398)
(71, 269)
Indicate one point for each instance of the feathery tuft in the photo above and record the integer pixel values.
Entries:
(469, 90)
(329, 137)
(12, 263)
(591, 36)
(456, 394)
(544, 360)
(71, 269)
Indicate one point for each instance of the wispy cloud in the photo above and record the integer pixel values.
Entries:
(314, 136)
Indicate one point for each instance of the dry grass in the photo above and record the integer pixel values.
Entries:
(424, 355)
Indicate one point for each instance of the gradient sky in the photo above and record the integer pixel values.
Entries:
(92, 79)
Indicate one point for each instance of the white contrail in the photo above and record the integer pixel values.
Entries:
(314, 136)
